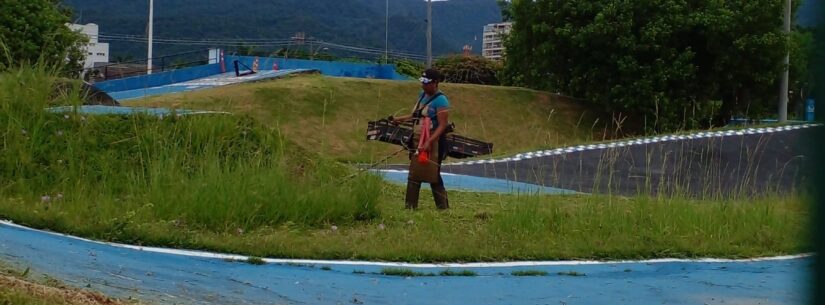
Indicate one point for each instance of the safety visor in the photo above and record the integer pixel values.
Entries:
(425, 80)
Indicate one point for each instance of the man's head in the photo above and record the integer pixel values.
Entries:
(429, 81)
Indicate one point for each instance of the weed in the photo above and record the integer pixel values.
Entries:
(528, 273)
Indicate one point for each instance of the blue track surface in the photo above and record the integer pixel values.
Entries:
(119, 110)
(171, 278)
(201, 83)
(478, 184)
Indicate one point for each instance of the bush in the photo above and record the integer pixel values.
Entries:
(469, 70)
(408, 68)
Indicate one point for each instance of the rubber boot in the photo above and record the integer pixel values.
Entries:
(413, 188)
(440, 196)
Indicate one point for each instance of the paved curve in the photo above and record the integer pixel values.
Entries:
(183, 277)
(735, 162)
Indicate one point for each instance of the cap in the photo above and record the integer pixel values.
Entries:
(430, 75)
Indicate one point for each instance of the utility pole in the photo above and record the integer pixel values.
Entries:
(149, 56)
(387, 33)
(783, 88)
(429, 34)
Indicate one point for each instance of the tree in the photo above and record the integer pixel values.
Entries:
(672, 62)
(35, 32)
(504, 5)
(801, 75)
(468, 69)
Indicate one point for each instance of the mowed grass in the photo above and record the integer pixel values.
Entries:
(230, 184)
(329, 115)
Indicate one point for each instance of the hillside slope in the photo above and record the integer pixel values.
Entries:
(330, 114)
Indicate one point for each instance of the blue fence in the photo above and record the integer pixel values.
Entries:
(159, 79)
(330, 68)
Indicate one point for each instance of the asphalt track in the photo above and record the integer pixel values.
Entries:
(166, 276)
(748, 162)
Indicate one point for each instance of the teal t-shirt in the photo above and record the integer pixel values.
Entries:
(438, 104)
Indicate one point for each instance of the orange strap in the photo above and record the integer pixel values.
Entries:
(424, 156)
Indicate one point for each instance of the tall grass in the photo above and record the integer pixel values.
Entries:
(215, 173)
(226, 183)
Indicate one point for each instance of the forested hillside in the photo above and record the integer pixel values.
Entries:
(351, 22)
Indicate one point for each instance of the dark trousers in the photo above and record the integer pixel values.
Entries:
(439, 192)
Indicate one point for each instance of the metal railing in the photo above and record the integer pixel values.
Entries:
(138, 67)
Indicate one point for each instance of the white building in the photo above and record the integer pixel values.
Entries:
(96, 52)
(492, 45)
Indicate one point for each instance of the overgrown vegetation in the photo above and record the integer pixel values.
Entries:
(219, 173)
(673, 65)
(408, 68)
(227, 184)
(403, 272)
(468, 70)
(528, 273)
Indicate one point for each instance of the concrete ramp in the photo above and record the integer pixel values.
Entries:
(218, 80)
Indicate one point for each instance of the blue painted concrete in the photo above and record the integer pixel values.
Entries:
(478, 184)
(201, 83)
(329, 68)
(119, 110)
(169, 278)
(159, 79)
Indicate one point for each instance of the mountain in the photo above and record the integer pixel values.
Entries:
(350, 22)
(809, 13)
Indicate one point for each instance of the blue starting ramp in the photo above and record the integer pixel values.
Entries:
(218, 80)
(120, 110)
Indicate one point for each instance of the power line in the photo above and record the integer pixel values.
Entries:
(256, 42)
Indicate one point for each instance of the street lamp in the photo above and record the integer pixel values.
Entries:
(149, 55)
(430, 31)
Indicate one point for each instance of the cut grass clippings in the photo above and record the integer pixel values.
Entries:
(20, 289)
(528, 273)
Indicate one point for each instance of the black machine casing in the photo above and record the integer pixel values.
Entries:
(401, 134)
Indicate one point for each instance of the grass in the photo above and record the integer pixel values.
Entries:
(329, 115)
(255, 261)
(231, 184)
(212, 172)
(528, 273)
(448, 272)
(571, 273)
(403, 272)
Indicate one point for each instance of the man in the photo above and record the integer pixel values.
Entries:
(434, 105)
